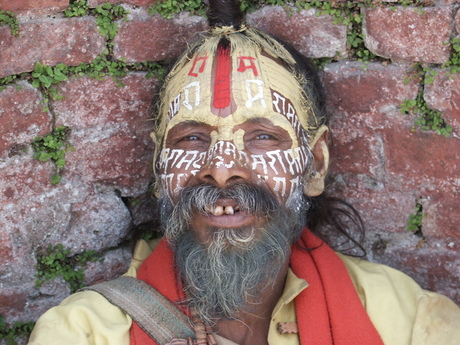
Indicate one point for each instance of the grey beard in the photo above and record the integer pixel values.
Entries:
(222, 279)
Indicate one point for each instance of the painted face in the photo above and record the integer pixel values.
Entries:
(233, 117)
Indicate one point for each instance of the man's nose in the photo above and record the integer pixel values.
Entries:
(224, 169)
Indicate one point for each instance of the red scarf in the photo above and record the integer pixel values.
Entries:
(329, 311)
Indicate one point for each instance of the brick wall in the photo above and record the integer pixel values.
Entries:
(380, 163)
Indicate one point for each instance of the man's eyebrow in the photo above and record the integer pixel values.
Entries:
(189, 123)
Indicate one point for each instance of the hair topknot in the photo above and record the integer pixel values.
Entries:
(225, 13)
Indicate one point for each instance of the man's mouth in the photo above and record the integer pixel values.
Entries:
(219, 210)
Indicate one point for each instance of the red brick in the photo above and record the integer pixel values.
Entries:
(154, 38)
(382, 209)
(110, 129)
(21, 117)
(121, 161)
(441, 209)
(100, 221)
(372, 88)
(50, 41)
(12, 302)
(115, 263)
(408, 35)
(23, 177)
(356, 154)
(312, 35)
(444, 95)
(430, 264)
(424, 156)
(95, 3)
(34, 6)
(6, 249)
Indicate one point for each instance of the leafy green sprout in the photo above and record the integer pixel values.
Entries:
(454, 61)
(12, 334)
(57, 261)
(428, 119)
(53, 147)
(414, 223)
(106, 15)
(9, 18)
(77, 9)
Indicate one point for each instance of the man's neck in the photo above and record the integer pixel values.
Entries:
(253, 327)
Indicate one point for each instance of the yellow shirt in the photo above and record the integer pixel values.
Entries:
(402, 312)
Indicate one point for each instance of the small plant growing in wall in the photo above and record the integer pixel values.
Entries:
(414, 223)
(106, 15)
(454, 62)
(427, 119)
(11, 335)
(57, 261)
(77, 8)
(53, 147)
(45, 76)
(8, 18)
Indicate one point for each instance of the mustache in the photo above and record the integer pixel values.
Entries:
(251, 199)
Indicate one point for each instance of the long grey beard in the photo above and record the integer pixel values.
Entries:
(223, 278)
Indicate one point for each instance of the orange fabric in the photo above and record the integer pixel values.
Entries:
(329, 311)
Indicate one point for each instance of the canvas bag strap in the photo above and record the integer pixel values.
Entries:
(155, 314)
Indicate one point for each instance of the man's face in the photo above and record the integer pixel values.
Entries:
(233, 119)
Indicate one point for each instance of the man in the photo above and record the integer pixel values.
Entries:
(241, 158)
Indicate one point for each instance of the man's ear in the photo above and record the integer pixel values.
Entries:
(314, 184)
(156, 187)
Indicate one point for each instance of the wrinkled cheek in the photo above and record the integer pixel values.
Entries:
(282, 171)
(175, 167)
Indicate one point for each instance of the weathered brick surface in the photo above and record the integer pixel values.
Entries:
(375, 88)
(441, 210)
(110, 127)
(383, 169)
(408, 34)
(444, 95)
(435, 265)
(147, 37)
(312, 35)
(413, 157)
(377, 163)
(50, 41)
(21, 118)
(34, 6)
(115, 263)
(12, 301)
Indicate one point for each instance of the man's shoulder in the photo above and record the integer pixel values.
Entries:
(81, 319)
(400, 309)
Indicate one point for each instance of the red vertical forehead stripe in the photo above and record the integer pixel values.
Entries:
(222, 79)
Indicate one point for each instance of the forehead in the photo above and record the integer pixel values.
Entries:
(224, 89)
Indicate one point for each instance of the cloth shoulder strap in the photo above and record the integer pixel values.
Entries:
(154, 313)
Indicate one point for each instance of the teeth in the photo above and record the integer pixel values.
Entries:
(218, 211)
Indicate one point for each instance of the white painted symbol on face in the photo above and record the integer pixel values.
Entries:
(258, 96)
(187, 104)
(174, 107)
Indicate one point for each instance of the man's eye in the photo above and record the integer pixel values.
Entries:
(190, 138)
(265, 137)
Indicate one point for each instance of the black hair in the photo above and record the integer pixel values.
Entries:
(225, 13)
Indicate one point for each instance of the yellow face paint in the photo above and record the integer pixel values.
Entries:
(226, 90)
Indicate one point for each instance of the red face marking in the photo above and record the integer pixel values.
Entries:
(243, 66)
(222, 79)
(195, 69)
